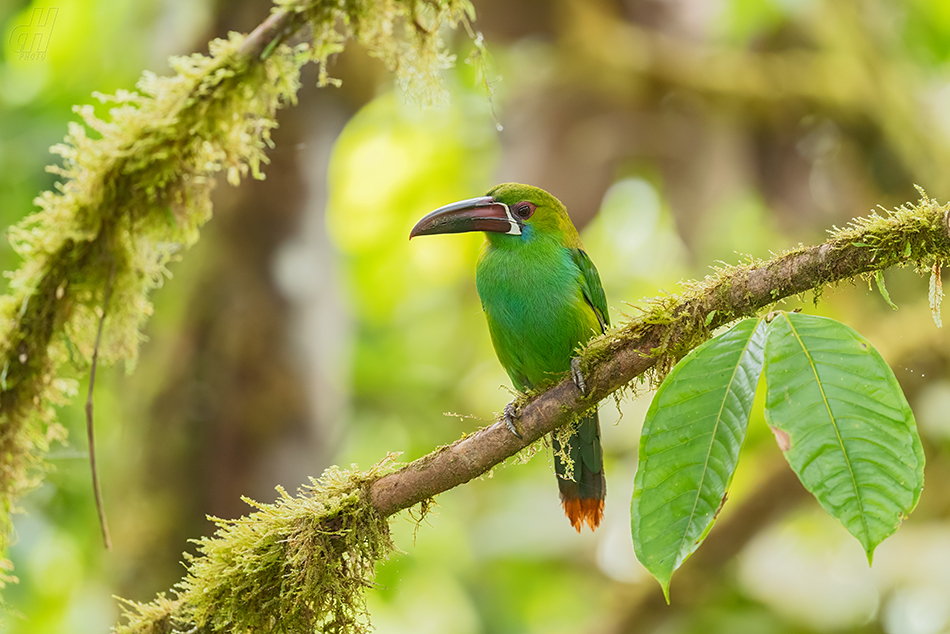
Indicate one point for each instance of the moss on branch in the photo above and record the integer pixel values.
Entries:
(915, 235)
(135, 189)
(301, 564)
(644, 348)
(240, 565)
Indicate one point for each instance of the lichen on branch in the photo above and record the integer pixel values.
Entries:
(135, 189)
(915, 235)
(301, 564)
(643, 348)
(403, 34)
(244, 556)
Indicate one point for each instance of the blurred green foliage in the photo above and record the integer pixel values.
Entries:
(94, 45)
(496, 555)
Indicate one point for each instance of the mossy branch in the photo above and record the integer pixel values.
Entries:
(254, 560)
(301, 565)
(671, 326)
(136, 188)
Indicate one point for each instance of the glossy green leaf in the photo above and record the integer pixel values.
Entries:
(843, 423)
(690, 445)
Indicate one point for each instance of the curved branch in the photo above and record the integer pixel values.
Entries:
(672, 327)
(276, 29)
(133, 188)
(276, 558)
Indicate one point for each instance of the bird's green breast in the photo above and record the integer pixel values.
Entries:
(536, 311)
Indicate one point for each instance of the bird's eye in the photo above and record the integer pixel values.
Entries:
(524, 209)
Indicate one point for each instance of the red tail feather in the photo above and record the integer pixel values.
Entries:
(580, 512)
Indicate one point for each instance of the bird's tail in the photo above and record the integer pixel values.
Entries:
(583, 496)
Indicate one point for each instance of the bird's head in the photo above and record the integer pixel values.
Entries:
(509, 212)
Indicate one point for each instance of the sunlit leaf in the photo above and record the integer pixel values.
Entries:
(690, 445)
(848, 431)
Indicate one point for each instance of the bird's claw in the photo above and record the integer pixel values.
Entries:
(578, 376)
(510, 416)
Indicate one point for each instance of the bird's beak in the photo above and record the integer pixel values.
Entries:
(475, 214)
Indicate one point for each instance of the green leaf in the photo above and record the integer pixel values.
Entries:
(879, 278)
(690, 445)
(843, 423)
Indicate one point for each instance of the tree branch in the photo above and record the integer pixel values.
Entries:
(668, 330)
(274, 566)
(276, 29)
(137, 187)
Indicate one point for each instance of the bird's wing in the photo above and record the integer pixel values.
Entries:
(591, 286)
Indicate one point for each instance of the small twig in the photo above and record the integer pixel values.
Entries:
(103, 523)
(273, 31)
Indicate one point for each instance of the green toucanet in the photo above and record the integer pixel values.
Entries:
(543, 299)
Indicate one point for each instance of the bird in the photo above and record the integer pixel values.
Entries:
(543, 299)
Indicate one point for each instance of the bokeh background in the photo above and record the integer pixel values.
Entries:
(304, 330)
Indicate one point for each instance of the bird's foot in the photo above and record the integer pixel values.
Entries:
(578, 376)
(510, 415)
